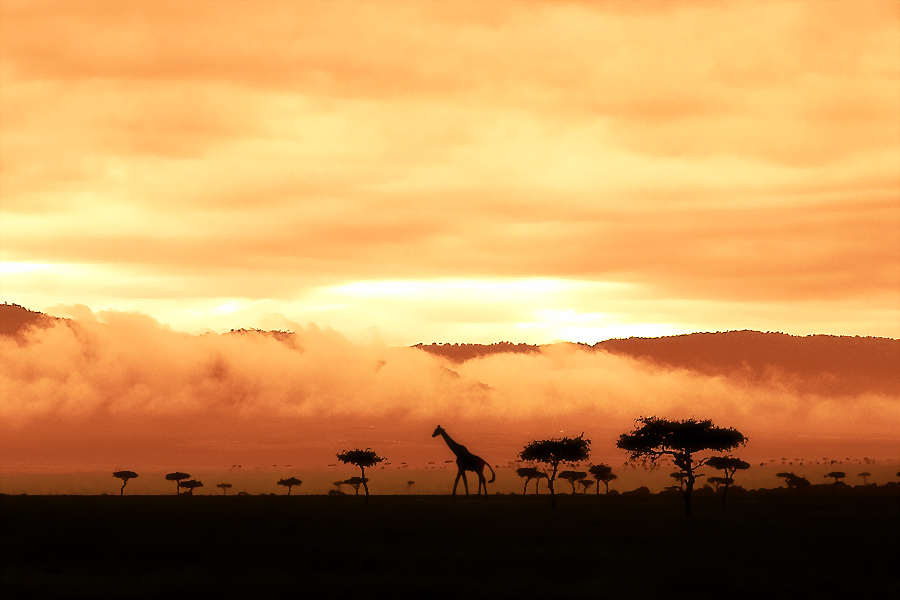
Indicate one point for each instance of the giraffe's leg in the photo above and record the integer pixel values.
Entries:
(465, 482)
(456, 483)
(482, 482)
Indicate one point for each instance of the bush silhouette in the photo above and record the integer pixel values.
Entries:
(729, 465)
(289, 483)
(224, 487)
(555, 451)
(124, 476)
(794, 482)
(191, 485)
(653, 438)
(602, 473)
(362, 459)
(177, 477)
(529, 473)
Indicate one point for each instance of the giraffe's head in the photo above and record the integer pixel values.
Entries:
(437, 431)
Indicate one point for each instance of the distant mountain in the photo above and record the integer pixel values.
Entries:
(818, 363)
(15, 319)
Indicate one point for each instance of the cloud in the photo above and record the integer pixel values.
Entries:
(122, 383)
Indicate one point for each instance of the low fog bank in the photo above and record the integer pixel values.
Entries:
(120, 391)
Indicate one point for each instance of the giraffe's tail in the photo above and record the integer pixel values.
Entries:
(493, 475)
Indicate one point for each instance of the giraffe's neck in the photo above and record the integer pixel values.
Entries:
(456, 448)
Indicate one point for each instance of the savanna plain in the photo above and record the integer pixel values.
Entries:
(824, 541)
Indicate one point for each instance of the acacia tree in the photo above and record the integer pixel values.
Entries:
(573, 477)
(177, 477)
(362, 459)
(602, 473)
(653, 438)
(729, 465)
(837, 475)
(586, 483)
(555, 451)
(865, 475)
(289, 483)
(191, 485)
(224, 487)
(529, 473)
(124, 476)
(355, 482)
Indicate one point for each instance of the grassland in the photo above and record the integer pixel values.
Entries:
(816, 543)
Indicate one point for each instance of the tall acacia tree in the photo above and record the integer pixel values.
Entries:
(653, 438)
(729, 465)
(362, 459)
(124, 476)
(555, 451)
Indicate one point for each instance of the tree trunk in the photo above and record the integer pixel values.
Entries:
(525, 489)
(365, 483)
(122, 490)
(550, 485)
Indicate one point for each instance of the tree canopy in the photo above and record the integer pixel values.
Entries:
(124, 476)
(555, 451)
(653, 438)
(177, 477)
(602, 473)
(728, 464)
(289, 483)
(362, 459)
(191, 485)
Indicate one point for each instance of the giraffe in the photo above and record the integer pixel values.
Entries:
(466, 461)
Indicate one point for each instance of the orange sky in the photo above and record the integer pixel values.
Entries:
(525, 171)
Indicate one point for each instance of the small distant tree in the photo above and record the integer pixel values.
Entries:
(794, 482)
(602, 473)
(529, 473)
(362, 459)
(224, 487)
(573, 477)
(586, 483)
(409, 485)
(177, 477)
(865, 477)
(653, 438)
(727, 464)
(837, 475)
(124, 476)
(355, 482)
(555, 451)
(190, 485)
(289, 483)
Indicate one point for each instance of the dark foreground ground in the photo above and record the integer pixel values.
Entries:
(762, 545)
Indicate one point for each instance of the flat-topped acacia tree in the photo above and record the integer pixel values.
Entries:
(224, 487)
(529, 473)
(190, 485)
(362, 459)
(555, 451)
(602, 473)
(177, 477)
(124, 476)
(573, 477)
(653, 438)
(729, 465)
(289, 483)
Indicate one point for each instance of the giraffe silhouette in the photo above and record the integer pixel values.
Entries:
(466, 461)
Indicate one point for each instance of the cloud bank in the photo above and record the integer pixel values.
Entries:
(116, 387)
